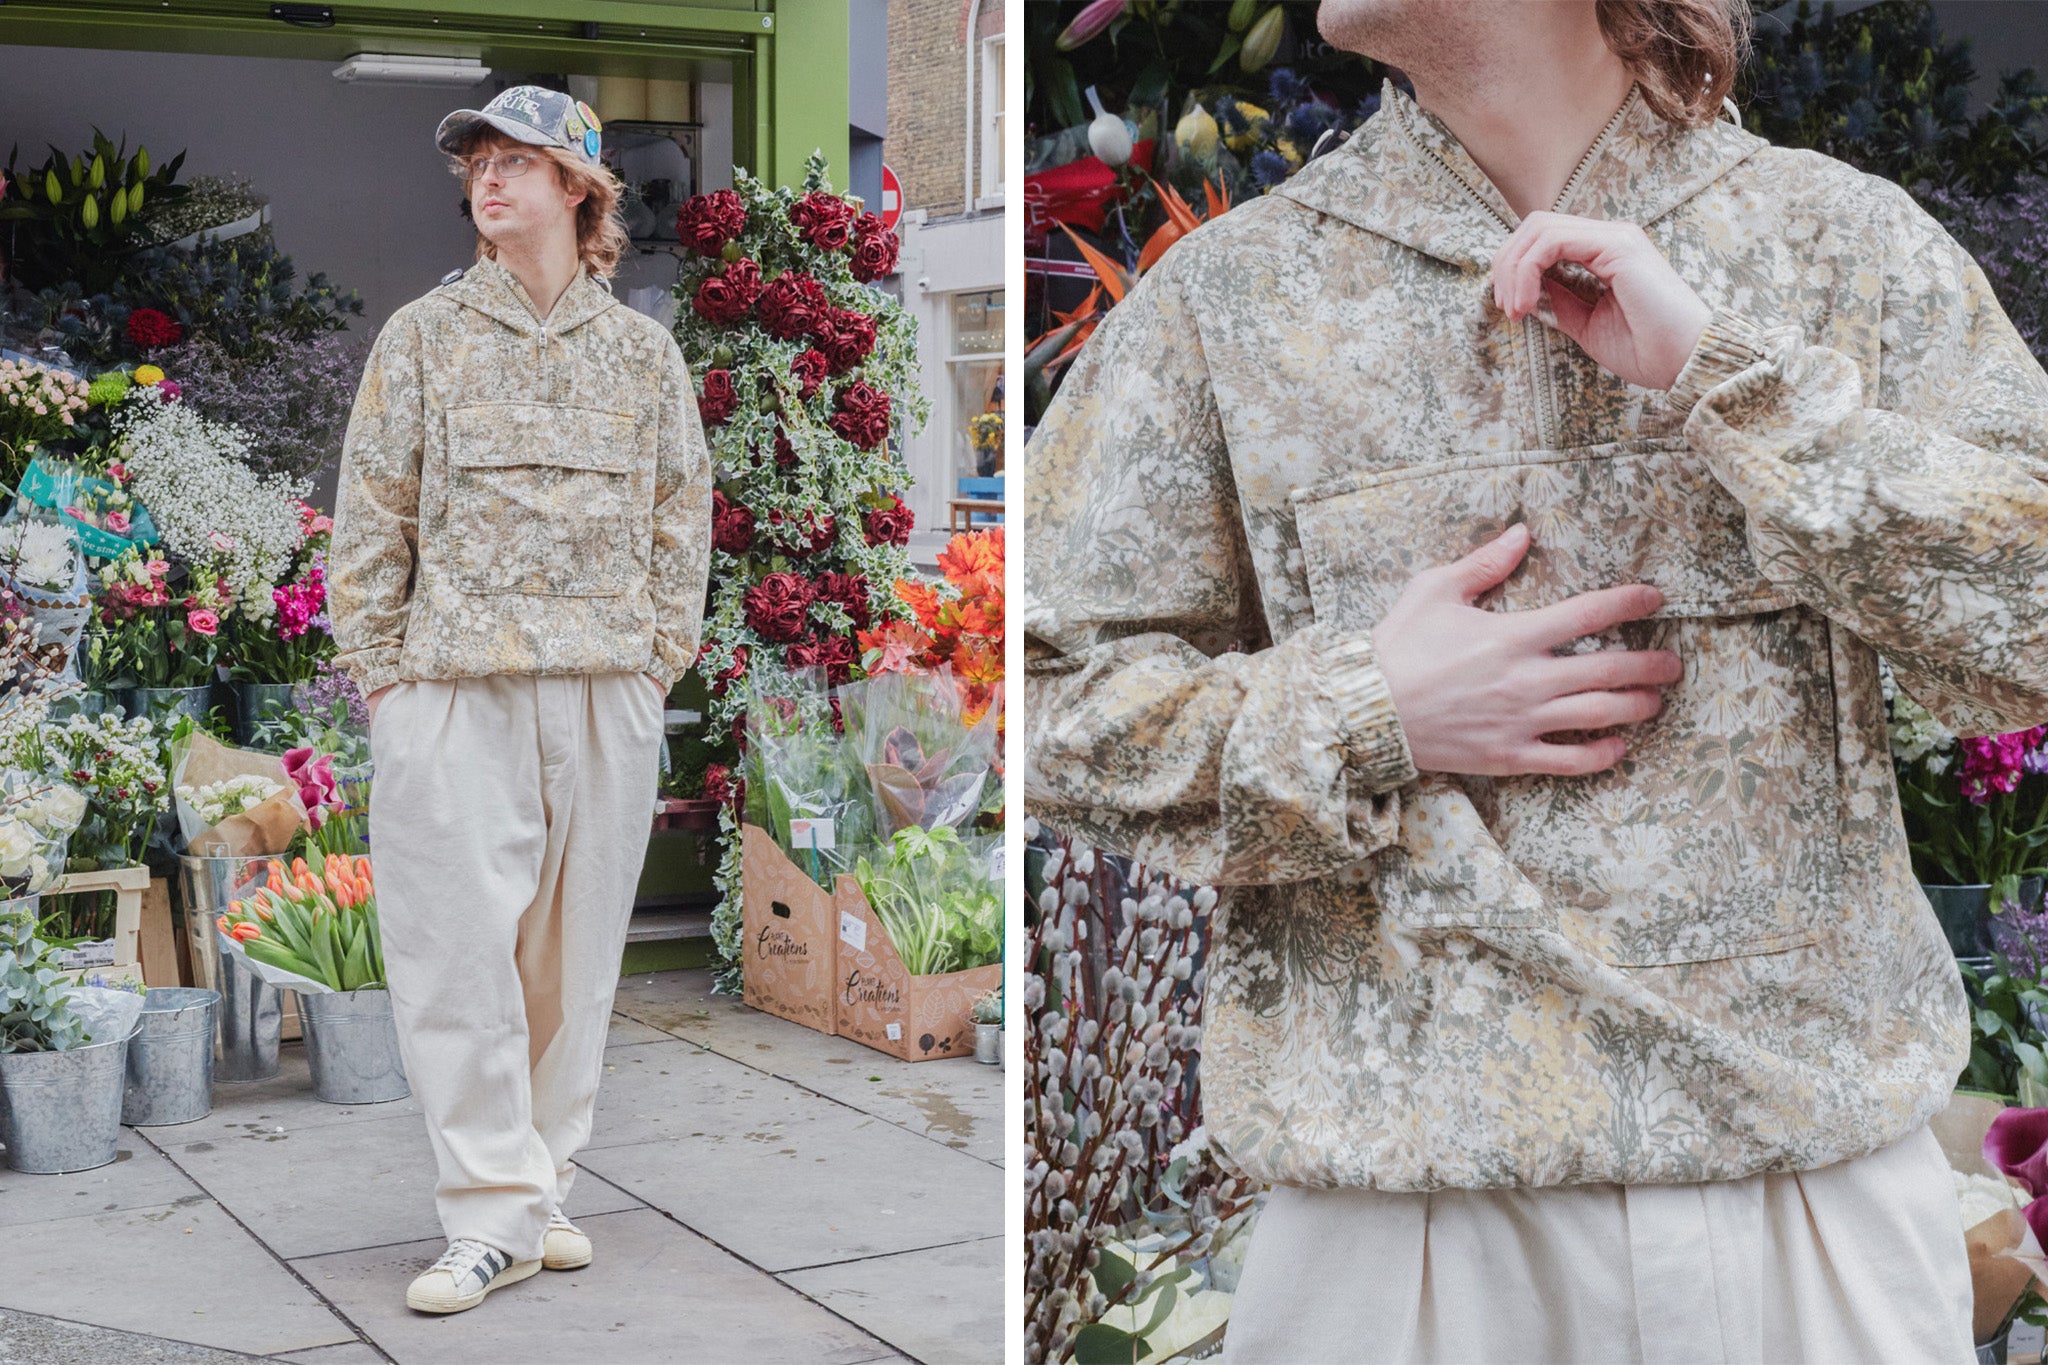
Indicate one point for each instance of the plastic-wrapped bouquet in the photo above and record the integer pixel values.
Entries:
(925, 766)
(939, 896)
(314, 925)
(801, 785)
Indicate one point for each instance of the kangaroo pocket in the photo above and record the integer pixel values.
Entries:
(1720, 833)
(542, 500)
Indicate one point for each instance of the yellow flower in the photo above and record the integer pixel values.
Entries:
(1196, 133)
(148, 374)
(1256, 122)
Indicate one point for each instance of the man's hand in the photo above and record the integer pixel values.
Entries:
(373, 699)
(1645, 324)
(1475, 689)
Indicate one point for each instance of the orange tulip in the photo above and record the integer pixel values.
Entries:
(245, 932)
(224, 919)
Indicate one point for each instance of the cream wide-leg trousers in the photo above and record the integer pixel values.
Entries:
(508, 823)
(1862, 1261)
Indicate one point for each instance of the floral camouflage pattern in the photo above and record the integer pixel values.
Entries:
(1710, 961)
(520, 497)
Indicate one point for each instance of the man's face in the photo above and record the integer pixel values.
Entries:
(507, 207)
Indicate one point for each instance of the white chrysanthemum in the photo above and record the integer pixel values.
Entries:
(39, 554)
(208, 504)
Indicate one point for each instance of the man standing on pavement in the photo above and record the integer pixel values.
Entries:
(521, 549)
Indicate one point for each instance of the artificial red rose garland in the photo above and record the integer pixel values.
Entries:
(803, 373)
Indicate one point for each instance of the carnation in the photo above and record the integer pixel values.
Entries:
(149, 328)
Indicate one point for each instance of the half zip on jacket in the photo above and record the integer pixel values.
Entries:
(1542, 385)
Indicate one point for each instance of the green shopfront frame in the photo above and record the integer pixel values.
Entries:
(788, 58)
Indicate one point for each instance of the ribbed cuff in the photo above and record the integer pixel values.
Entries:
(1730, 345)
(371, 669)
(1375, 745)
(662, 674)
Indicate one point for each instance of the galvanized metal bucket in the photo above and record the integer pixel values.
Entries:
(352, 1046)
(251, 1009)
(61, 1111)
(170, 1058)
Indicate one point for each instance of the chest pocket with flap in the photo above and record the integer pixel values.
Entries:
(546, 499)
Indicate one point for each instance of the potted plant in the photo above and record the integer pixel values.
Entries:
(155, 650)
(1976, 818)
(988, 1028)
(63, 1057)
(270, 659)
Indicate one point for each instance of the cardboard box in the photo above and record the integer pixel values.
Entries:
(788, 926)
(879, 1003)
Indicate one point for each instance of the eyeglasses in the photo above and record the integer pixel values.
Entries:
(510, 165)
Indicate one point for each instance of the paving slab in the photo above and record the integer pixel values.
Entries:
(32, 1339)
(352, 1353)
(656, 1293)
(955, 1317)
(139, 1176)
(957, 1102)
(338, 1187)
(843, 1183)
(183, 1270)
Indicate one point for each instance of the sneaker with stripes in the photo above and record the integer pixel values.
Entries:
(466, 1272)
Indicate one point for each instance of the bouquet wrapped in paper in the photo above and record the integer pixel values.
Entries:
(926, 767)
(803, 785)
(232, 802)
(311, 927)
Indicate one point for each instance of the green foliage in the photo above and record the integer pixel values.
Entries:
(1881, 89)
(238, 293)
(2007, 1015)
(35, 1016)
(934, 895)
(79, 215)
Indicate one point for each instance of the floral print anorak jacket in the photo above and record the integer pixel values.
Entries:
(520, 495)
(1709, 961)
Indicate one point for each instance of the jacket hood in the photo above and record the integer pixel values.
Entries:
(493, 290)
(1405, 176)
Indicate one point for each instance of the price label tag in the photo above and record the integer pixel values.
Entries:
(810, 832)
(853, 931)
(995, 863)
(895, 1032)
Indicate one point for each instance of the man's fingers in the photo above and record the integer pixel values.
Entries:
(1590, 613)
(1606, 670)
(1490, 563)
(1570, 760)
(1596, 710)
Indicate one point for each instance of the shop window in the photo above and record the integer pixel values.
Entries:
(975, 366)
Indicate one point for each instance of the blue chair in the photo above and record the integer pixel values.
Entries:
(979, 504)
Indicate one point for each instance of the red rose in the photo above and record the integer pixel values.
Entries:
(149, 328)
(732, 526)
(836, 654)
(863, 415)
(874, 257)
(785, 453)
(717, 782)
(734, 673)
(730, 294)
(792, 305)
(720, 400)
(869, 225)
(739, 733)
(847, 338)
(706, 222)
(777, 605)
(812, 537)
(890, 525)
(848, 590)
(802, 653)
(825, 219)
(838, 721)
(811, 368)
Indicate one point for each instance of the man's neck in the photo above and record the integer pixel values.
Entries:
(545, 275)
(1528, 113)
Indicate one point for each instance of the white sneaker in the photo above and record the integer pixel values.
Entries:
(565, 1246)
(466, 1272)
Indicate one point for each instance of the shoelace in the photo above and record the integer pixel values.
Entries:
(461, 1256)
(557, 1220)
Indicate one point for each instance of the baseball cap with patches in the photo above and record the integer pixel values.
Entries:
(529, 113)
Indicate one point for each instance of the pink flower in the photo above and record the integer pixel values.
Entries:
(319, 525)
(202, 621)
(117, 522)
(118, 472)
(314, 777)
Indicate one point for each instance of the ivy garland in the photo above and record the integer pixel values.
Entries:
(803, 371)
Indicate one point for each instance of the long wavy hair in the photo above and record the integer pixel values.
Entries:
(1684, 53)
(601, 238)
